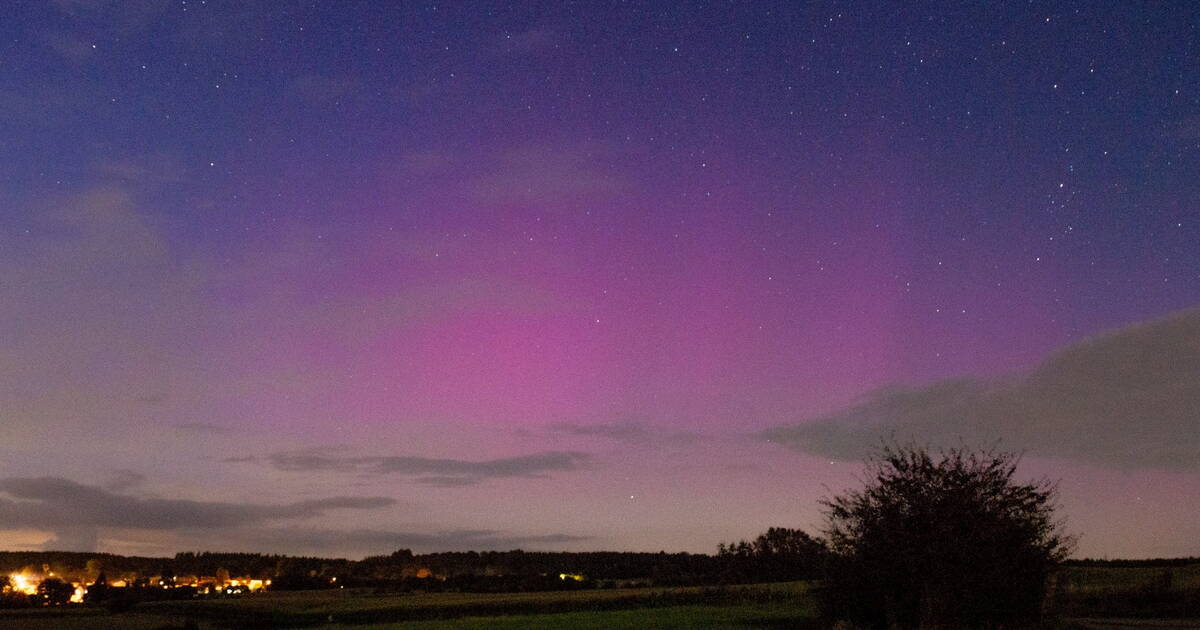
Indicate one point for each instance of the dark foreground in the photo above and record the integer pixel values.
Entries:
(1086, 598)
(785, 605)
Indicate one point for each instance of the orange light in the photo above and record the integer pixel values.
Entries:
(22, 583)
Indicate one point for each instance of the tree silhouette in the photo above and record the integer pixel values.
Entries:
(778, 554)
(54, 592)
(942, 542)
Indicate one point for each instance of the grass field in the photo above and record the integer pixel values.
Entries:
(1129, 593)
(1094, 599)
(741, 616)
(752, 606)
(1100, 579)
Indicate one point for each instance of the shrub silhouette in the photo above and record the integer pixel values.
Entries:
(54, 592)
(941, 542)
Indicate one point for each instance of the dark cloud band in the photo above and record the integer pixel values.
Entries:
(433, 471)
(56, 504)
(1128, 399)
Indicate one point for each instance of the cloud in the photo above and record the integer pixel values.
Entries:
(446, 481)
(426, 163)
(122, 16)
(124, 479)
(426, 303)
(67, 508)
(1129, 398)
(431, 471)
(353, 543)
(201, 427)
(153, 170)
(48, 102)
(628, 432)
(368, 541)
(530, 41)
(544, 175)
(72, 48)
(547, 175)
(93, 311)
(81, 538)
(624, 432)
(88, 518)
(88, 253)
(1184, 130)
(321, 90)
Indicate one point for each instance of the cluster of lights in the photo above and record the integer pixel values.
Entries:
(250, 585)
(28, 585)
(22, 583)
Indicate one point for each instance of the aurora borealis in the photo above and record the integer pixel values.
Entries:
(340, 278)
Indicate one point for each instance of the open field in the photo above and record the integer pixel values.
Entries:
(728, 607)
(1101, 579)
(1129, 592)
(85, 619)
(739, 616)
(1092, 598)
(1132, 624)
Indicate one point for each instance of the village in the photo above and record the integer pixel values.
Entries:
(48, 588)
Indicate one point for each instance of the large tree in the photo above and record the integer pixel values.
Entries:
(948, 540)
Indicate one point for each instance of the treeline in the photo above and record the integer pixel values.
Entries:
(255, 565)
(780, 554)
(602, 565)
(71, 562)
(1142, 563)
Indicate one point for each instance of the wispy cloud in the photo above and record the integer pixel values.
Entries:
(122, 16)
(82, 516)
(73, 48)
(1129, 398)
(431, 471)
(150, 170)
(96, 256)
(75, 511)
(201, 427)
(529, 41)
(628, 432)
(323, 90)
(320, 541)
(124, 479)
(544, 175)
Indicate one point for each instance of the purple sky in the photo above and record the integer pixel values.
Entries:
(341, 279)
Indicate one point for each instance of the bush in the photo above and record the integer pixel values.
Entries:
(941, 542)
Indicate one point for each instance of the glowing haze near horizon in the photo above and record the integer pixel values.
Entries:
(338, 278)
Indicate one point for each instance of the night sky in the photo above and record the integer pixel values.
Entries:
(343, 277)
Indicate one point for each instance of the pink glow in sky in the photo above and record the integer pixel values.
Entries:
(561, 277)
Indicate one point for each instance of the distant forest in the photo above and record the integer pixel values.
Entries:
(739, 562)
(778, 555)
(467, 570)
